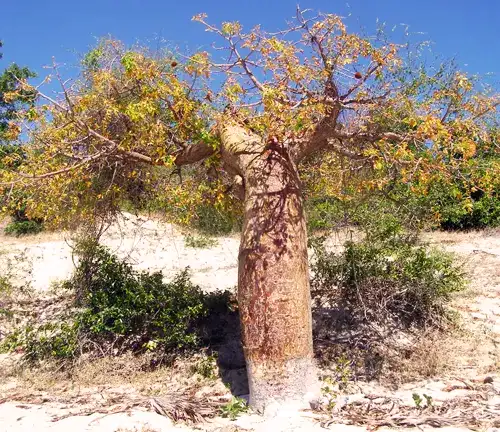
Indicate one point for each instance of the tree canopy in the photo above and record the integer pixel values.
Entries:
(320, 91)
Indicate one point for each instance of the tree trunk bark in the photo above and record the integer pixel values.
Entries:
(273, 283)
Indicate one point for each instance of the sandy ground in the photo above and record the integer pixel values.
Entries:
(46, 259)
(150, 245)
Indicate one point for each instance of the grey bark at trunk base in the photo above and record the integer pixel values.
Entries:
(294, 381)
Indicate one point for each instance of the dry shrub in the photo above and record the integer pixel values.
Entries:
(382, 303)
(392, 357)
(429, 355)
(386, 277)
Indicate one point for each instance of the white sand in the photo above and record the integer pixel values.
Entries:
(152, 245)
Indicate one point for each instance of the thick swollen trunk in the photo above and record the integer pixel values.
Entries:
(273, 283)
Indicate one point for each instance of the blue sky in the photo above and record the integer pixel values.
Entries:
(34, 31)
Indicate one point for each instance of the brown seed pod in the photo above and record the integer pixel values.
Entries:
(173, 64)
(358, 75)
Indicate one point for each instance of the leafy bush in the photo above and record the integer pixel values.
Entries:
(23, 227)
(5, 293)
(206, 367)
(212, 221)
(449, 206)
(234, 408)
(138, 306)
(368, 209)
(14, 202)
(387, 275)
(57, 340)
(324, 213)
(121, 309)
(21, 224)
(482, 212)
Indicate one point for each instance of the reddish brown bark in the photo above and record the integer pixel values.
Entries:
(273, 282)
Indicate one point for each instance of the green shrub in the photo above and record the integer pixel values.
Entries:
(23, 227)
(234, 408)
(58, 340)
(325, 213)
(15, 201)
(209, 219)
(446, 206)
(5, 286)
(119, 309)
(206, 367)
(5, 293)
(403, 208)
(199, 241)
(212, 221)
(484, 212)
(387, 275)
(136, 305)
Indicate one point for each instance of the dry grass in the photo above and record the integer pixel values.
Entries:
(430, 355)
(126, 371)
(396, 359)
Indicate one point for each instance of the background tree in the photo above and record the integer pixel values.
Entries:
(274, 113)
(14, 101)
(10, 80)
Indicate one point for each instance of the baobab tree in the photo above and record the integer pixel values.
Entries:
(259, 110)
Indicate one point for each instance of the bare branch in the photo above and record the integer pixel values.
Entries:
(34, 177)
(339, 147)
(194, 153)
(371, 70)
